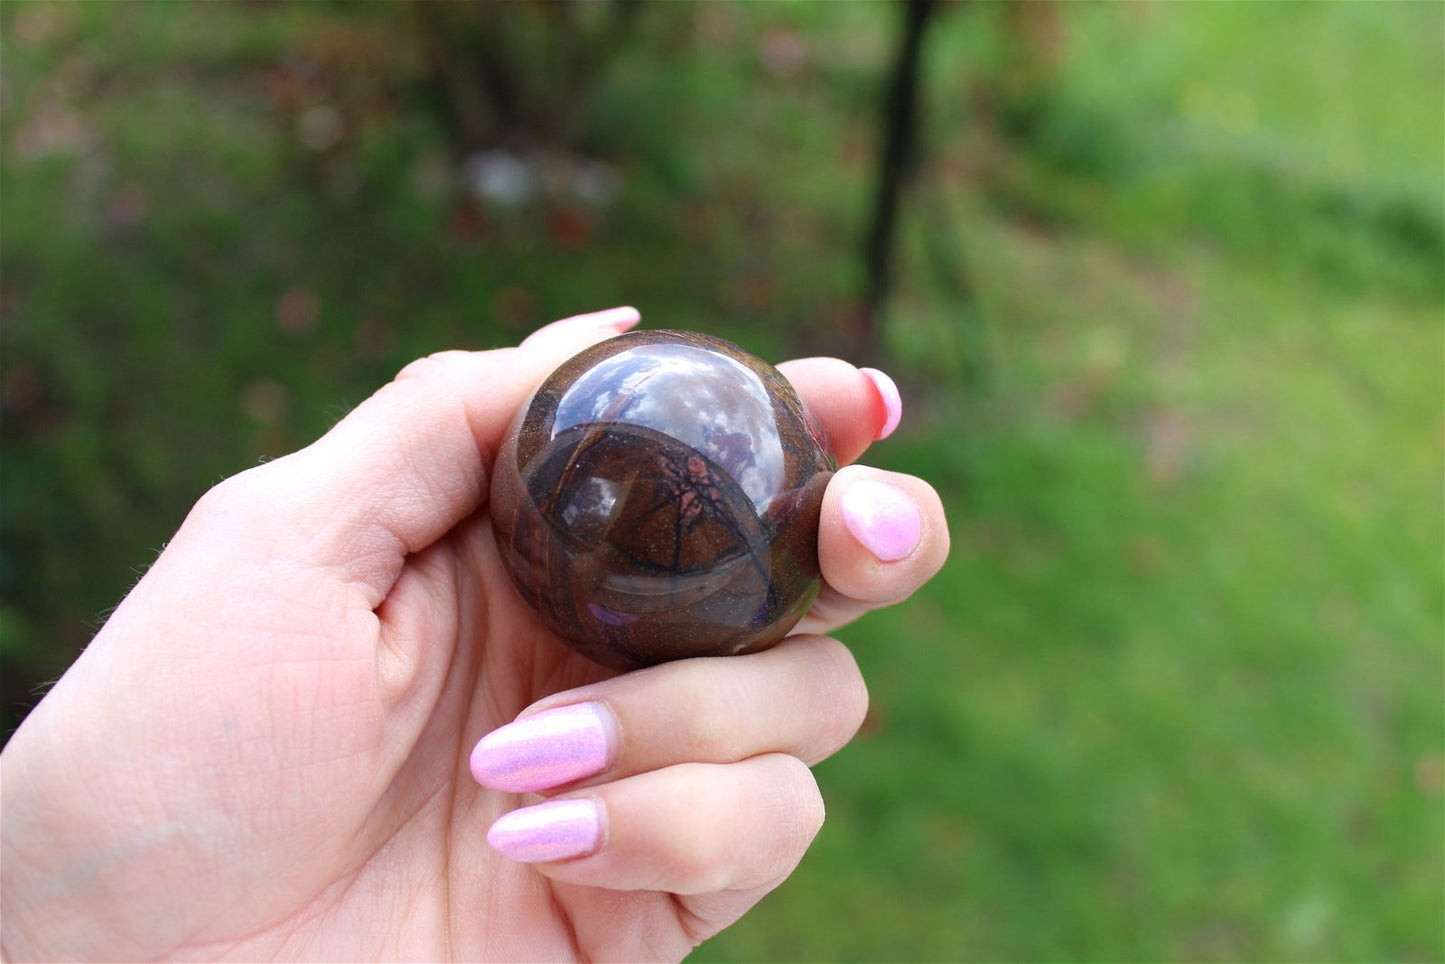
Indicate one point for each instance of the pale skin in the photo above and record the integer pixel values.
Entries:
(264, 753)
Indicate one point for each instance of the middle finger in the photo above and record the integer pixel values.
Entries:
(804, 697)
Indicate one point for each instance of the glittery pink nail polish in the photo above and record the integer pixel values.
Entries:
(882, 518)
(546, 749)
(556, 830)
(892, 400)
(621, 319)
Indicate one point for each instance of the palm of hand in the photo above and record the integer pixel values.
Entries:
(452, 895)
(402, 869)
(349, 823)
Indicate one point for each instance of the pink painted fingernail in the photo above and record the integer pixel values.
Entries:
(892, 401)
(620, 319)
(882, 518)
(546, 749)
(556, 830)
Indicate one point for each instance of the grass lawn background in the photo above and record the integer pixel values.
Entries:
(1168, 326)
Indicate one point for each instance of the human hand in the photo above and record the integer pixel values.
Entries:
(265, 752)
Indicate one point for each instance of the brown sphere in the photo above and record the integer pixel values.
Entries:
(658, 498)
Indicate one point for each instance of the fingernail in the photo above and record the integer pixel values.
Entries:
(546, 749)
(620, 319)
(892, 401)
(556, 830)
(882, 518)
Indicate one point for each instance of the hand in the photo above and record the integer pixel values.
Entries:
(265, 752)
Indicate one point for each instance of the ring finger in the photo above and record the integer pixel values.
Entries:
(689, 829)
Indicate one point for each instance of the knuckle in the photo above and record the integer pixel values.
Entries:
(429, 365)
(234, 512)
(226, 498)
(702, 862)
(803, 808)
(846, 694)
(712, 699)
(784, 811)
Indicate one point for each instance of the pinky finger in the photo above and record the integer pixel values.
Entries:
(688, 829)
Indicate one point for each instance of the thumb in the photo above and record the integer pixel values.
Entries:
(407, 464)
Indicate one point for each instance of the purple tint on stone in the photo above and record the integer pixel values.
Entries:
(658, 498)
(610, 617)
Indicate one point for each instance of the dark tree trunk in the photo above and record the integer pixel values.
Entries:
(897, 159)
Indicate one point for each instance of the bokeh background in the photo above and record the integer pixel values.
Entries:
(1162, 286)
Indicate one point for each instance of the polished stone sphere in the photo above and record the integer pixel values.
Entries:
(658, 498)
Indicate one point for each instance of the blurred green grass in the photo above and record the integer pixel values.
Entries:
(1169, 331)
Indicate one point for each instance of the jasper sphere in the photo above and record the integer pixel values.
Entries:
(658, 498)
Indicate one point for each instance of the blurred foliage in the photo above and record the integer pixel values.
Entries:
(1168, 328)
